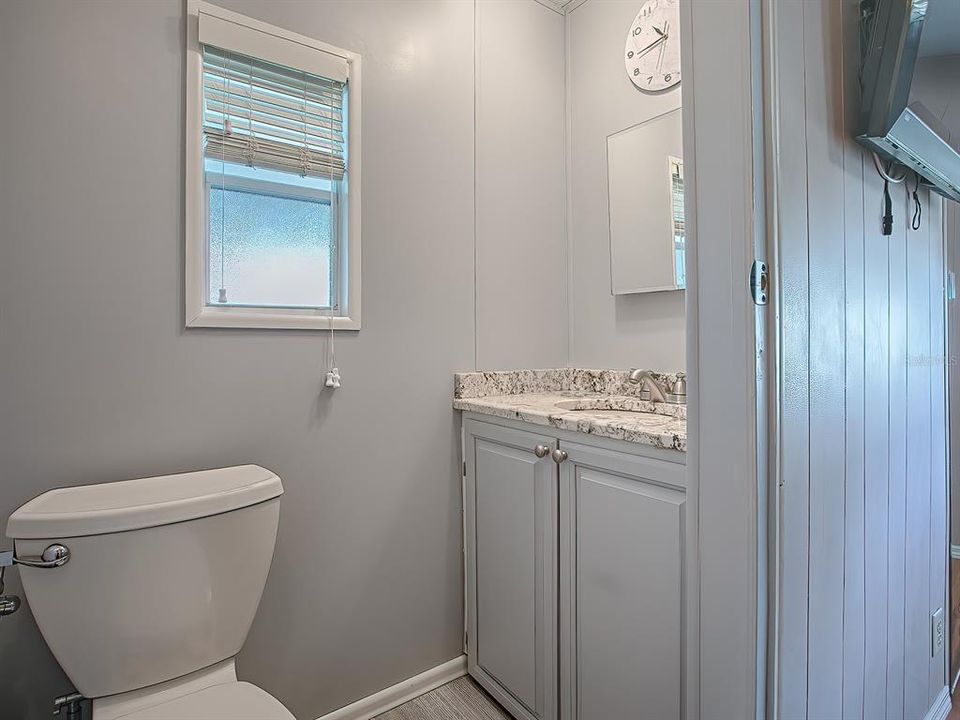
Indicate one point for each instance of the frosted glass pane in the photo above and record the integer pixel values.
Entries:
(268, 250)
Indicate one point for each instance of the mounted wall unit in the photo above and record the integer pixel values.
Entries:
(905, 98)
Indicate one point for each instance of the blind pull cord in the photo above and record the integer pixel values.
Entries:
(332, 379)
(227, 130)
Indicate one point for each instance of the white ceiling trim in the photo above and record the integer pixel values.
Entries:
(560, 6)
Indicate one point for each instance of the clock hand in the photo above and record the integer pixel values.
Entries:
(666, 26)
(651, 46)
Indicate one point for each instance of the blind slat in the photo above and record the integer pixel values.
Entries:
(315, 112)
(279, 118)
(317, 93)
(243, 119)
(274, 156)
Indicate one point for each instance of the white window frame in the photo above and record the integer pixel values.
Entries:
(198, 311)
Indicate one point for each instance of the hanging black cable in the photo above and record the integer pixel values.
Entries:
(887, 209)
(884, 172)
(918, 208)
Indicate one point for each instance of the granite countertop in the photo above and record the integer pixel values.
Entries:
(595, 402)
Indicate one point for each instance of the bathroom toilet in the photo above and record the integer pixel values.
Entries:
(162, 582)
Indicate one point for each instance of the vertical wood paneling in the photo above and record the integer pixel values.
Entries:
(918, 519)
(951, 228)
(876, 442)
(823, 105)
(897, 453)
(862, 457)
(853, 600)
(795, 401)
(939, 510)
(951, 218)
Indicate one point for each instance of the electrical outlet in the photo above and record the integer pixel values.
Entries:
(937, 630)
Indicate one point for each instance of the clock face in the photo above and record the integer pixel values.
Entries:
(652, 52)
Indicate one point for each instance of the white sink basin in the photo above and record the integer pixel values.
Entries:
(615, 404)
(621, 404)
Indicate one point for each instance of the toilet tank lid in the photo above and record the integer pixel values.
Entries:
(146, 502)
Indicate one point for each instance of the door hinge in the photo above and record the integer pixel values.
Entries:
(759, 282)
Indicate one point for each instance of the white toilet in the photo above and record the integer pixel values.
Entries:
(162, 582)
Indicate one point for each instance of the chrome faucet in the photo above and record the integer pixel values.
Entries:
(643, 376)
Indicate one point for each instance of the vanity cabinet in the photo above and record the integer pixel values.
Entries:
(621, 562)
(574, 573)
(512, 567)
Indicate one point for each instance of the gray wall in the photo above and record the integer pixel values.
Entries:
(863, 536)
(99, 380)
(521, 201)
(606, 330)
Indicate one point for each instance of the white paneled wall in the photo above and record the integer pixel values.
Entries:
(862, 555)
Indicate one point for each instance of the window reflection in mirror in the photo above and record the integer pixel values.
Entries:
(645, 193)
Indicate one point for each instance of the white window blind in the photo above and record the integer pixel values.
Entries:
(265, 115)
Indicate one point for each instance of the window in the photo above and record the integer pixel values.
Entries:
(273, 186)
(678, 222)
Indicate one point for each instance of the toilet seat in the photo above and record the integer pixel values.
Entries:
(228, 701)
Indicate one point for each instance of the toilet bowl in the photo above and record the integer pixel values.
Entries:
(162, 583)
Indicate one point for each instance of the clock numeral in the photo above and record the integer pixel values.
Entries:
(649, 79)
(630, 55)
(636, 72)
(667, 77)
(637, 30)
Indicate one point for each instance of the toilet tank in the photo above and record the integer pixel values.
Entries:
(164, 577)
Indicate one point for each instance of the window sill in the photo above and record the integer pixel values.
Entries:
(269, 319)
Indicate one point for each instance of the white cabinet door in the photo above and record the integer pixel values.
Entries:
(621, 560)
(512, 588)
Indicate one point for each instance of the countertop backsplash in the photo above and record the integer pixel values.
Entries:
(521, 382)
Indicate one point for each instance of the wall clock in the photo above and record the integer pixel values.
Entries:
(652, 52)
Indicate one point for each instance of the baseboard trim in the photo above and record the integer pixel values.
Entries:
(391, 697)
(941, 706)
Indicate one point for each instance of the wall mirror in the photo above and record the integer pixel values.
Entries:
(645, 194)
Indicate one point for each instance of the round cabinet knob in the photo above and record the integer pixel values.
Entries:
(559, 456)
(541, 451)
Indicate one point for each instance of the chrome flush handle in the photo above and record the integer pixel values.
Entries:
(53, 556)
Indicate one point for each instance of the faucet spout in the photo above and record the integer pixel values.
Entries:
(643, 376)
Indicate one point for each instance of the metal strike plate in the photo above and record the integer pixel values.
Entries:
(759, 282)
